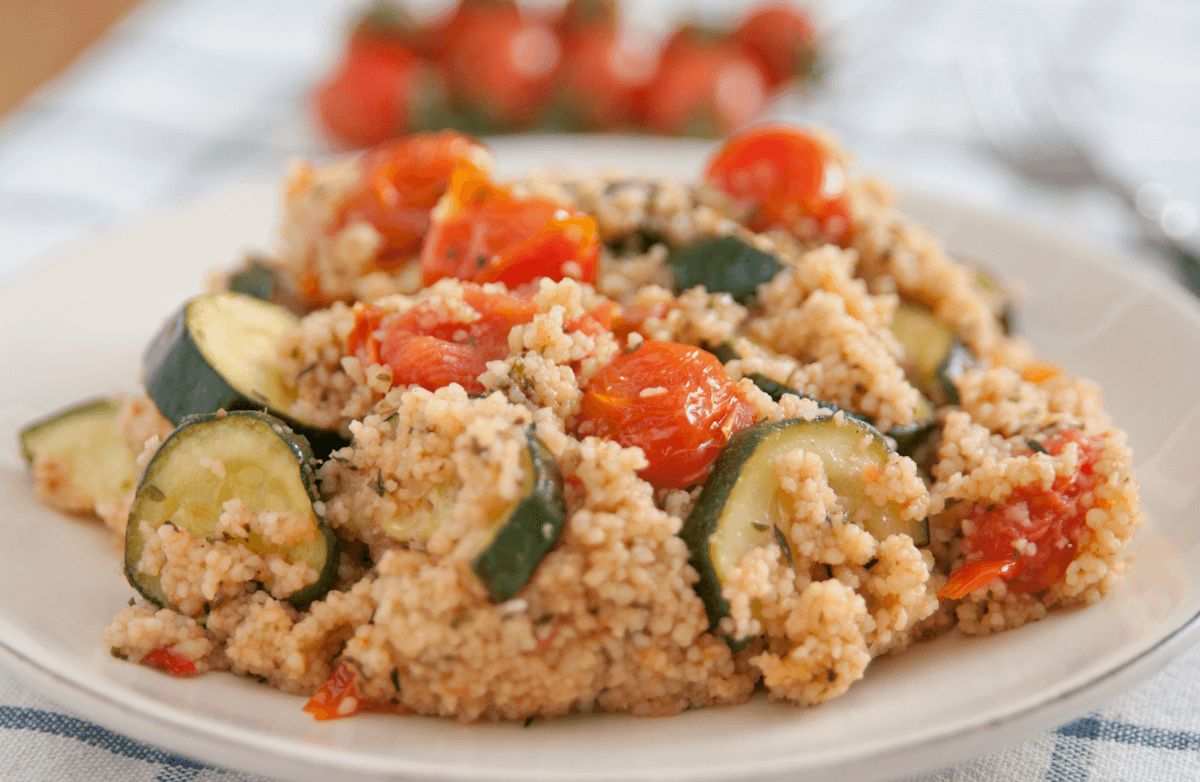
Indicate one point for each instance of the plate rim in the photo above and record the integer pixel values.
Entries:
(158, 723)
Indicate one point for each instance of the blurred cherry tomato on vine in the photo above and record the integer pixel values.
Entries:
(675, 402)
(501, 73)
(787, 179)
(601, 80)
(781, 38)
(482, 232)
(401, 182)
(703, 90)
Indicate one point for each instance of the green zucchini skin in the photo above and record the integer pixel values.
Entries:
(255, 279)
(305, 465)
(724, 264)
(533, 526)
(182, 382)
(958, 360)
(935, 357)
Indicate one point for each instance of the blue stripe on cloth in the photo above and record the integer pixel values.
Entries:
(55, 724)
(1074, 744)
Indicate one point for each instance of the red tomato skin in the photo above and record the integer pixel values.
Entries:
(781, 38)
(682, 430)
(166, 659)
(422, 352)
(484, 233)
(784, 177)
(401, 182)
(364, 100)
(1051, 519)
(705, 90)
(340, 687)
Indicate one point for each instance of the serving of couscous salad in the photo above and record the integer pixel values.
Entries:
(589, 442)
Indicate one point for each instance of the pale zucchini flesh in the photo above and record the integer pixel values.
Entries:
(85, 439)
(934, 356)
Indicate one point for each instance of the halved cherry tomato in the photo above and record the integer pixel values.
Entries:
(785, 177)
(1048, 520)
(703, 90)
(675, 402)
(165, 658)
(781, 38)
(602, 78)
(502, 73)
(482, 232)
(422, 351)
(400, 184)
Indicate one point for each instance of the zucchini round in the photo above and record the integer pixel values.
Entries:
(85, 439)
(723, 264)
(909, 437)
(217, 353)
(737, 508)
(263, 463)
(934, 356)
(255, 278)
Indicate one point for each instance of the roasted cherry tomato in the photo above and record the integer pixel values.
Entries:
(482, 232)
(703, 90)
(502, 73)
(165, 658)
(675, 402)
(339, 696)
(781, 38)
(380, 90)
(1049, 522)
(400, 184)
(786, 179)
(422, 351)
(602, 79)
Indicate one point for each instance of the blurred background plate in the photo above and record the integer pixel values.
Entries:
(95, 303)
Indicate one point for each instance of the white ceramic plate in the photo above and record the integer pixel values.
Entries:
(74, 325)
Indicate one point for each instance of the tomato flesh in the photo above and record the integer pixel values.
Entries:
(484, 233)
(786, 179)
(401, 182)
(424, 352)
(692, 409)
(338, 696)
(166, 659)
(1050, 519)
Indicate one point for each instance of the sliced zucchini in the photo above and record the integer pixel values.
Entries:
(522, 532)
(724, 264)
(217, 353)
(85, 439)
(1006, 310)
(261, 462)
(737, 509)
(909, 437)
(525, 530)
(934, 356)
(256, 279)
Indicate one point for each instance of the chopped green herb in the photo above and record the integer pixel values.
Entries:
(1035, 446)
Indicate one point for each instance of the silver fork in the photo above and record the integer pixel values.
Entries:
(1028, 126)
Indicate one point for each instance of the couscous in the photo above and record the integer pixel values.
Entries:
(504, 450)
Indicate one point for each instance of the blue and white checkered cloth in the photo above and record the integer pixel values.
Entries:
(189, 95)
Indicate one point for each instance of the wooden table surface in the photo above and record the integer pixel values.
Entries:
(38, 38)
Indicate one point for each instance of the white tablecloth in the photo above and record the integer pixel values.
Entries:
(186, 96)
